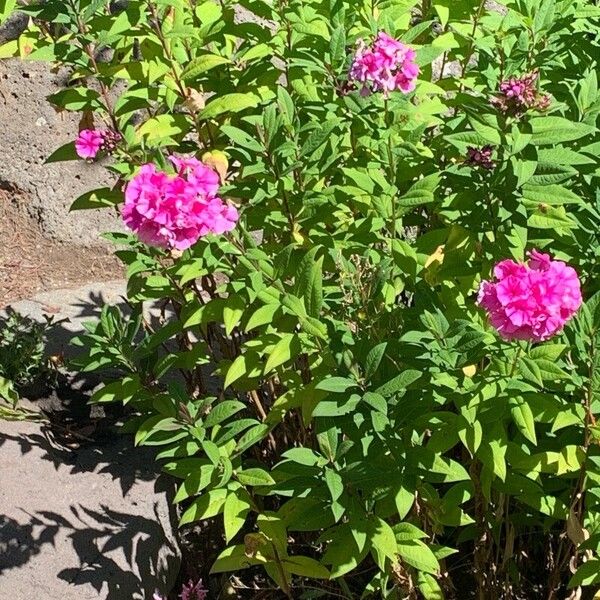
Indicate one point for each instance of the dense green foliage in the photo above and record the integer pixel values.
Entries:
(23, 360)
(366, 428)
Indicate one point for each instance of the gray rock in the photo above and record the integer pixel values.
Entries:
(32, 130)
(13, 27)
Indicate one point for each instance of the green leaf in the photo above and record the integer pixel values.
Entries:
(7, 391)
(408, 531)
(334, 482)
(237, 369)
(547, 174)
(551, 217)
(252, 436)
(205, 507)
(429, 587)
(235, 558)
(243, 139)
(563, 156)
(349, 545)
(336, 384)
(309, 282)
(471, 435)
(229, 103)
(235, 510)
(418, 555)
(232, 313)
(554, 195)
(530, 370)
(121, 390)
(76, 99)
(303, 566)
(587, 574)
(65, 152)
(399, 383)
(383, 541)
(337, 45)
(202, 64)
(374, 359)
(263, 316)
(223, 411)
(422, 192)
(550, 371)
(195, 482)
(550, 130)
(99, 198)
(283, 351)
(523, 418)
(163, 128)
(434, 464)
(254, 477)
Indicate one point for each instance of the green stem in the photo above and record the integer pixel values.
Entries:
(469, 51)
(391, 164)
(514, 363)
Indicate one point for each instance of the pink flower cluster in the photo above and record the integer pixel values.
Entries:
(531, 301)
(517, 95)
(90, 142)
(386, 66)
(174, 211)
(190, 591)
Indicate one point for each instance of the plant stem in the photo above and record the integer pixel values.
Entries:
(469, 51)
(576, 505)
(515, 360)
(391, 164)
(284, 584)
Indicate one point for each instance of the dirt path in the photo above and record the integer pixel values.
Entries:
(31, 263)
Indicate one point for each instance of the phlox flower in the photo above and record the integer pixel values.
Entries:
(480, 157)
(193, 591)
(519, 94)
(531, 301)
(88, 143)
(174, 211)
(385, 66)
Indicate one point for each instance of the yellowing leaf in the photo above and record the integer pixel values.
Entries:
(217, 160)
(437, 256)
(470, 370)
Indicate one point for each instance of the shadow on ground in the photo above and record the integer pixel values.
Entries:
(98, 537)
(89, 535)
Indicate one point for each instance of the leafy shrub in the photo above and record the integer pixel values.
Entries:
(23, 359)
(366, 427)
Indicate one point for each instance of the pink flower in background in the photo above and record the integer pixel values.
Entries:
(89, 142)
(193, 591)
(519, 94)
(174, 211)
(189, 591)
(531, 301)
(386, 66)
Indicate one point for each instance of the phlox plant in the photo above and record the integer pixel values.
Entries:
(371, 228)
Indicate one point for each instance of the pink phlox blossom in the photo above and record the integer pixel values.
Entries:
(519, 94)
(193, 591)
(88, 143)
(531, 301)
(174, 211)
(385, 66)
(480, 157)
